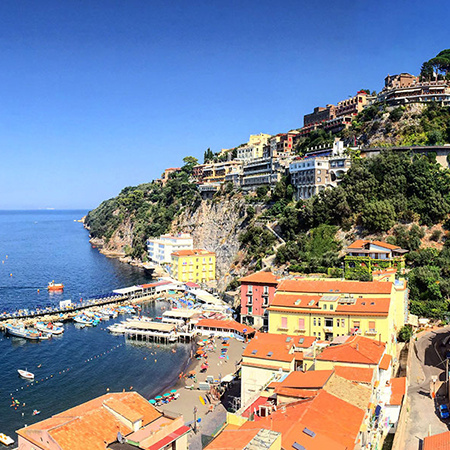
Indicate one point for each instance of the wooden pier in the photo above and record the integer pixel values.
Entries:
(156, 332)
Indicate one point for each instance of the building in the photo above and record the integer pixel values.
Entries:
(282, 143)
(166, 174)
(268, 357)
(333, 308)
(319, 115)
(319, 170)
(254, 148)
(197, 266)
(226, 328)
(117, 421)
(367, 256)
(404, 89)
(257, 293)
(439, 441)
(352, 106)
(254, 439)
(160, 249)
(402, 80)
(265, 171)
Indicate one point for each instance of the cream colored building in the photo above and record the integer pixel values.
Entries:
(254, 148)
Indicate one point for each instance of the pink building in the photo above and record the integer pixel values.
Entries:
(257, 293)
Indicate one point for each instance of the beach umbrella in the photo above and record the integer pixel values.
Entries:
(158, 397)
(173, 391)
(167, 394)
(152, 401)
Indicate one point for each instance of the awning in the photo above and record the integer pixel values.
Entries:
(227, 378)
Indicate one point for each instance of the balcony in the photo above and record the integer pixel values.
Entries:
(371, 332)
(328, 329)
(282, 329)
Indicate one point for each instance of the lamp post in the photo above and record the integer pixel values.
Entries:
(195, 419)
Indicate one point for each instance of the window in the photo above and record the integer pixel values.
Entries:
(266, 290)
(301, 324)
(249, 300)
(328, 322)
(284, 322)
(249, 290)
(331, 307)
(324, 306)
(250, 310)
(320, 322)
(342, 322)
(314, 321)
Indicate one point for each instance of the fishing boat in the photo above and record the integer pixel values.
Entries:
(22, 332)
(36, 412)
(49, 328)
(6, 440)
(117, 328)
(52, 286)
(26, 374)
(84, 320)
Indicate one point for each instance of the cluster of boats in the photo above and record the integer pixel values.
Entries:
(90, 318)
(41, 332)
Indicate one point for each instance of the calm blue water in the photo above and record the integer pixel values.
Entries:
(82, 363)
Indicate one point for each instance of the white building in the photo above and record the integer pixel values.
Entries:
(254, 147)
(160, 249)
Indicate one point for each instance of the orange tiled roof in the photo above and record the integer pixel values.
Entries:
(366, 305)
(357, 350)
(398, 390)
(439, 441)
(225, 324)
(358, 374)
(232, 440)
(361, 242)
(385, 362)
(313, 379)
(335, 286)
(274, 347)
(297, 301)
(90, 424)
(298, 393)
(260, 277)
(358, 243)
(195, 252)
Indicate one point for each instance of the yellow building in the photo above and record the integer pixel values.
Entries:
(331, 308)
(197, 266)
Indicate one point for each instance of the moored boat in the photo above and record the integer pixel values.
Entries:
(52, 286)
(26, 374)
(6, 440)
(83, 319)
(49, 328)
(21, 331)
(117, 328)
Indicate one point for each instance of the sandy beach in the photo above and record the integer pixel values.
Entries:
(217, 367)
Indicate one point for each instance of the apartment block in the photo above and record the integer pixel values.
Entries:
(160, 249)
(197, 266)
(254, 148)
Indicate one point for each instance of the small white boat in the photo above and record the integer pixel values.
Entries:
(6, 440)
(58, 324)
(117, 328)
(49, 328)
(26, 374)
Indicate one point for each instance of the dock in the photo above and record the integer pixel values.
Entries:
(161, 332)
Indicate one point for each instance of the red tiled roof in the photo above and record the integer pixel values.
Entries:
(231, 325)
(358, 243)
(313, 379)
(260, 277)
(359, 350)
(255, 405)
(334, 286)
(295, 300)
(358, 374)
(192, 285)
(385, 362)
(170, 438)
(439, 441)
(298, 393)
(398, 390)
(361, 242)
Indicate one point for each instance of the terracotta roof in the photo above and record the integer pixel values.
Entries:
(304, 341)
(297, 393)
(297, 301)
(195, 252)
(231, 325)
(273, 347)
(385, 362)
(357, 244)
(398, 390)
(358, 374)
(90, 424)
(357, 350)
(232, 439)
(366, 305)
(335, 286)
(361, 242)
(261, 277)
(439, 441)
(313, 379)
(385, 245)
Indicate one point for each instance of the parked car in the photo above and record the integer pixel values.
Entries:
(444, 412)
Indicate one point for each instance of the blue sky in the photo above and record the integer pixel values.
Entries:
(100, 95)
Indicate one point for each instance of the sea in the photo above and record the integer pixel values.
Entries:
(37, 247)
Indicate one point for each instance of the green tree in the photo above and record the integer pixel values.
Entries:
(378, 216)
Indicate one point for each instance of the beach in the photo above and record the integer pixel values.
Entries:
(217, 368)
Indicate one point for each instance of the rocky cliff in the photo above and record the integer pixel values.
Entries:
(216, 226)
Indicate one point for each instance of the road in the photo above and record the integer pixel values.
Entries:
(428, 362)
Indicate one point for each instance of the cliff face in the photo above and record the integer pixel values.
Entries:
(216, 226)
